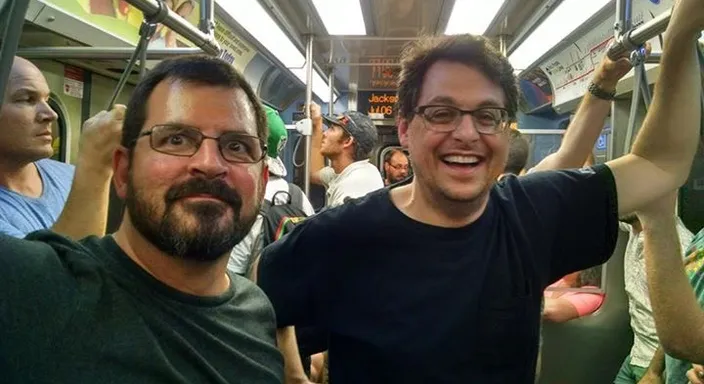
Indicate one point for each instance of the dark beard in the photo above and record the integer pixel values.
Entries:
(211, 238)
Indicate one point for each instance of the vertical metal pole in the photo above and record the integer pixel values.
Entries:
(309, 101)
(207, 16)
(331, 80)
(619, 28)
(12, 13)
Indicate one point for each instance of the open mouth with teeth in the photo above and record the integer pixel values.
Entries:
(462, 161)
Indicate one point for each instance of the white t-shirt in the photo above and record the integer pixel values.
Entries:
(242, 252)
(356, 180)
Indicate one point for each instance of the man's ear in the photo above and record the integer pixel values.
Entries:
(402, 127)
(348, 142)
(120, 166)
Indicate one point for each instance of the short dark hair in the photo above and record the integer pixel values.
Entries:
(473, 51)
(518, 149)
(194, 69)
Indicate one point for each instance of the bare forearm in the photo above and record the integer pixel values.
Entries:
(657, 363)
(581, 135)
(317, 161)
(670, 133)
(678, 317)
(293, 368)
(86, 210)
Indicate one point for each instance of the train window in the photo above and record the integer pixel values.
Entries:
(59, 131)
(397, 167)
(541, 145)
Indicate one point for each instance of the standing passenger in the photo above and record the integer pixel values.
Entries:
(154, 302)
(37, 192)
(441, 280)
(347, 143)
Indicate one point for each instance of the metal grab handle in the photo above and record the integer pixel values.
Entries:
(146, 31)
(13, 13)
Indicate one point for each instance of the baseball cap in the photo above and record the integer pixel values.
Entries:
(359, 126)
(277, 132)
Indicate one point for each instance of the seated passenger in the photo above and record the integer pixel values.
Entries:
(561, 306)
(37, 192)
(154, 302)
(518, 149)
(244, 253)
(347, 142)
(395, 166)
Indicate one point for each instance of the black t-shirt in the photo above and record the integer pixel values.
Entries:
(84, 312)
(406, 302)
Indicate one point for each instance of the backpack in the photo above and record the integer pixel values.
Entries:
(282, 218)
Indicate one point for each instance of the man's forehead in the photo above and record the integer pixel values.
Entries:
(208, 108)
(24, 75)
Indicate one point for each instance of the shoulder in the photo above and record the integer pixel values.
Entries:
(354, 217)
(249, 294)
(56, 167)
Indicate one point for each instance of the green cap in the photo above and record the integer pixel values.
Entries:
(277, 132)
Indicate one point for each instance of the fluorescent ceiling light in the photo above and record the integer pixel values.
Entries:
(320, 86)
(341, 17)
(265, 30)
(472, 16)
(565, 19)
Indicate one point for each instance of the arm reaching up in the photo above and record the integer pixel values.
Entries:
(588, 122)
(86, 209)
(662, 154)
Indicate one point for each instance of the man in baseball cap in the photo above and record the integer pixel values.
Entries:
(347, 143)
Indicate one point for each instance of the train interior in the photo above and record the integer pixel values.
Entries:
(354, 67)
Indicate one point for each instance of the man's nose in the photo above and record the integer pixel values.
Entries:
(208, 161)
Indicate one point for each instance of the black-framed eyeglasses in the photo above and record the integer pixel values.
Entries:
(184, 141)
(445, 118)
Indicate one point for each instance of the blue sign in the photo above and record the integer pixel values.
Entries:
(601, 143)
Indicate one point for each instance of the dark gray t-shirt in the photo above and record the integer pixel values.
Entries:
(84, 312)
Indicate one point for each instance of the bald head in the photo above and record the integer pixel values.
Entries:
(25, 115)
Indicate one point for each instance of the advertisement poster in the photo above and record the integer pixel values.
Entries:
(121, 19)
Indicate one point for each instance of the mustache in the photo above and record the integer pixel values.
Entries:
(198, 186)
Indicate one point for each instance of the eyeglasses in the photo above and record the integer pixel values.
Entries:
(184, 141)
(399, 167)
(445, 118)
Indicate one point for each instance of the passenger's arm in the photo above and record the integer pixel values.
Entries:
(662, 155)
(679, 319)
(292, 272)
(656, 370)
(86, 210)
(293, 367)
(317, 161)
(559, 310)
(584, 130)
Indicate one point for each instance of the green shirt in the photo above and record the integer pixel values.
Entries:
(84, 312)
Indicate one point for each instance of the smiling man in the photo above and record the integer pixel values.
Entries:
(441, 280)
(154, 302)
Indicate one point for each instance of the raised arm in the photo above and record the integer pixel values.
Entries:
(317, 161)
(679, 319)
(662, 154)
(86, 210)
(588, 122)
